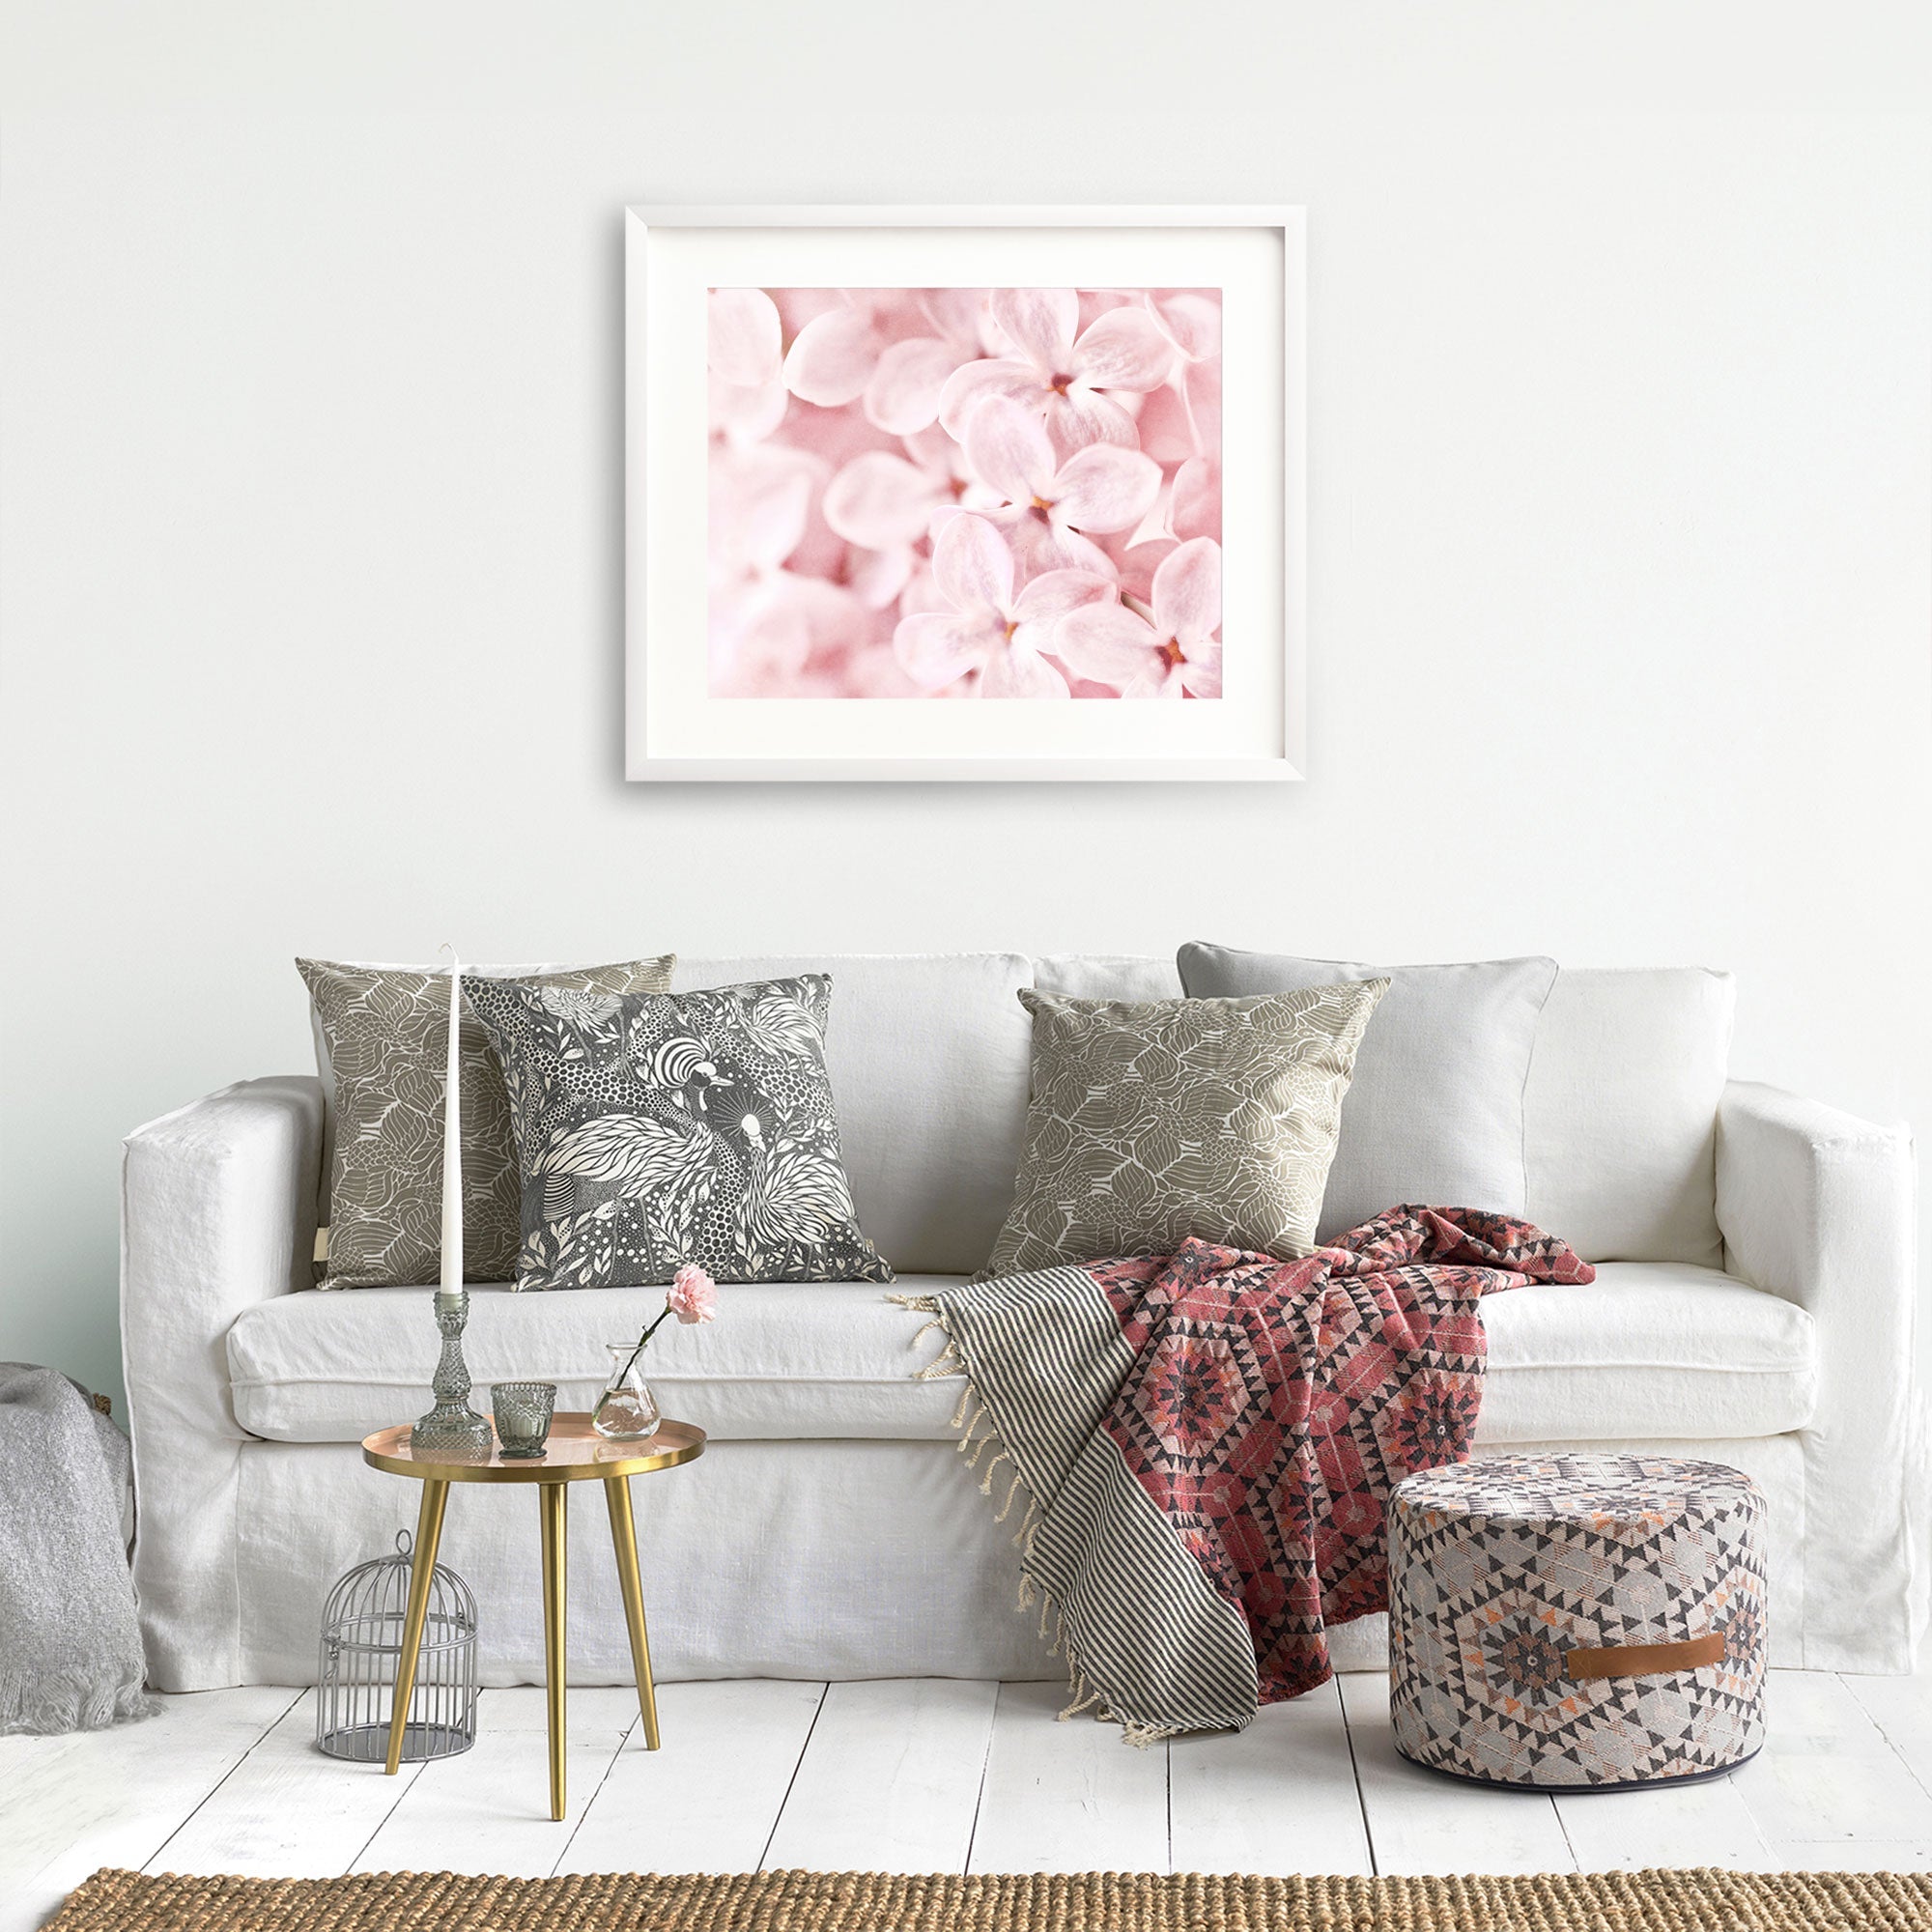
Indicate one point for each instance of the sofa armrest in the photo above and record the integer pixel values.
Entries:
(1818, 1207)
(218, 1211)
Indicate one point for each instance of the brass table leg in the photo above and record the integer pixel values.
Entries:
(422, 1569)
(624, 1535)
(554, 1501)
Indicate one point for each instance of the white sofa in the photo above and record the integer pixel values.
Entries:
(1753, 1305)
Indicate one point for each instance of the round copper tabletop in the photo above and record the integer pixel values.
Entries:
(573, 1454)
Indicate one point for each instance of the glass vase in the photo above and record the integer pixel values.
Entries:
(626, 1411)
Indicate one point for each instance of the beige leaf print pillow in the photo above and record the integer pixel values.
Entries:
(1152, 1122)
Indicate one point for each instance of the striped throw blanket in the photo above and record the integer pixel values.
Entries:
(1205, 1444)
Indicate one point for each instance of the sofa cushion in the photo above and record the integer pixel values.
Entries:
(1435, 1110)
(656, 1129)
(1156, 1121)
(1649, 1352)
(928, 1054)
(1620, 1112)
(1106, 976)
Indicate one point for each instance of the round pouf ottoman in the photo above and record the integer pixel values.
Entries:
(1579, 1622)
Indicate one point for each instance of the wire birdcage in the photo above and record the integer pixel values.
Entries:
(361, 1642)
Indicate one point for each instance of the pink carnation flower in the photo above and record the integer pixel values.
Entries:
(693, 1296)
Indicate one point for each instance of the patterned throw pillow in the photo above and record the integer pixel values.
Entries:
(688, 1127)
(386, 1033)
(1150, 1123)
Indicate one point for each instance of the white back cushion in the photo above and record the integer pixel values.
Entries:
(929, 1055)
(1620, 1113)
(1107, 975)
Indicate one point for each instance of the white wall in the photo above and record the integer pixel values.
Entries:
(1620, 525)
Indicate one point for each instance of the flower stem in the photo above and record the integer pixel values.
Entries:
(650, 1330)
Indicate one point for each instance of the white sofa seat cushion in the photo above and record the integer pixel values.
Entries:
(1650, 1350)
(783, 1359)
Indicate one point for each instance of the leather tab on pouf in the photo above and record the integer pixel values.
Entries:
(1578, 1620)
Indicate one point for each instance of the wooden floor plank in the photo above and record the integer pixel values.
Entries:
(1826, 1772)
(1703, 1823)
(707, 1800)
(1277, 1798)
(1068, 1797)
(1419, 1820)
(890, 1778)
(287, 1810)
(74, 1804)
(489, 1810)
(1900, 1707)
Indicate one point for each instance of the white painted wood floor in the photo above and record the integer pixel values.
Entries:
(926, 1775)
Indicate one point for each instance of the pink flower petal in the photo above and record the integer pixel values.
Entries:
(880, 501)
(972, 383)
(758, 518)
(1157, 682)
(974, 566)
(1080, 419)
(876, 576)
(1195, 510)
(1049, 596)
(1125, 350)
(1019, 672)
(1040, 323)
(958, 315)
(1138, 562)
(1007, 446)
(1187, 594)
(1200, 677)
(745, 346)
(1105, 642)
(903, 394)
(1042, 544)
(747, 413)
(1103, 488)
(1191, 320)
(936, 648)
(832, 358)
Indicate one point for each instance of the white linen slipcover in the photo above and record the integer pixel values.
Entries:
(851, 1556)
(1649, 1349)
(760, 1559)
(1817, 1205)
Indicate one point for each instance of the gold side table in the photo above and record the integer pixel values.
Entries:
(573, 1454)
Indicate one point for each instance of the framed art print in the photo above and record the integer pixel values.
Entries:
(963, 492)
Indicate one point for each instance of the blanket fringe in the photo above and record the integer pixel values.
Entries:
(980, 1430)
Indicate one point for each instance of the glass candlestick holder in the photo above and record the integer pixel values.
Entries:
(452, 1432)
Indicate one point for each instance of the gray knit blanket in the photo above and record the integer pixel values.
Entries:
(70, 1655)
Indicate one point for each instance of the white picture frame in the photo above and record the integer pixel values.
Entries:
(677, 732)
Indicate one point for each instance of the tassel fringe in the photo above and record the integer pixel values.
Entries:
(980, 1430)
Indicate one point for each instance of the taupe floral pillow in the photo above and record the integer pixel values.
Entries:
(386, 1035)
(1151, 1122)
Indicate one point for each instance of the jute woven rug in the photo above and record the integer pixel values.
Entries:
(1654, 1901)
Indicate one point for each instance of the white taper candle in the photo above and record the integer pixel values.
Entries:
(452, 1138)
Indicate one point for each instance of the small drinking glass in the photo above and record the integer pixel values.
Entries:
(522, 1412)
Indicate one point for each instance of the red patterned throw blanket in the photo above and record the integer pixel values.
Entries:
(1206, 1445)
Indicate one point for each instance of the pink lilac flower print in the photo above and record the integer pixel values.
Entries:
(993, 494)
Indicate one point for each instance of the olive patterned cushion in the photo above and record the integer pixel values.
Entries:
(1152, 1122)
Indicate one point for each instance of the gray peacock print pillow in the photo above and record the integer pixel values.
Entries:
(657, 1130)
(382, 1037)
(1152, 1122)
